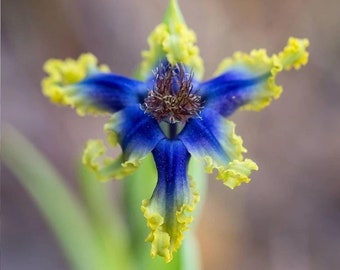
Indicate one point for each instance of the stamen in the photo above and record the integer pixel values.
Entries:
(172, 98)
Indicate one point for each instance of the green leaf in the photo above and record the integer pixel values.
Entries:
(108, 225)
(59, 206)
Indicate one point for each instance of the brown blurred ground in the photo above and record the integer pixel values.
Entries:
(288, 217)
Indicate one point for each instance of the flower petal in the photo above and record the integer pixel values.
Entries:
(137, 132)
(106, 168)
(174, 198)
(213, 139)
(248, 80)
(174, 41)
(83, 85)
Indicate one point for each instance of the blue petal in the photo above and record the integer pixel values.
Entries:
(110, 92)
(231, 90)
(206, 135)
(248, 80)
(88, 87)
(171, 158)
(213, 139)
(137, 132)
(174, 198)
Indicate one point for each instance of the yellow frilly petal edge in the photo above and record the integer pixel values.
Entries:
(62, 74)
(238, 170)
(107, 168)
(164, 240)
(294, 55)
(175, 41)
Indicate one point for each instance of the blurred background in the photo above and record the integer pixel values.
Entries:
(288, 217)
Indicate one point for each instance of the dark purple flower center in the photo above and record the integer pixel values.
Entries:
(172, 98)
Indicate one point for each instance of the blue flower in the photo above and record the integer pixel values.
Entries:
(169, 112)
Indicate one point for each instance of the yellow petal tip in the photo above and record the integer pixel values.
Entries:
(165, 235)
(58, 86)
(295, 54)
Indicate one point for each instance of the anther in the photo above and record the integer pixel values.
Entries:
(172, 98)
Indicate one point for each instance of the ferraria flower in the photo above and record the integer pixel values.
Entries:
(171, 113)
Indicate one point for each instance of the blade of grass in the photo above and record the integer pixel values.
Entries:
(57, 203)
(189, 253)
(105, 219)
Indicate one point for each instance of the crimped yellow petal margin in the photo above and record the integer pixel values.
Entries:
(106, 168)
(165, 238)
(174, 41)
(258, 63)
(62, 74)
(234, 173)
(294, 55)
(238, 170)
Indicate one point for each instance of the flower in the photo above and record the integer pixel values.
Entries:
(171, 113)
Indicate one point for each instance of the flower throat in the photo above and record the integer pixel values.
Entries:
(172, 101)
